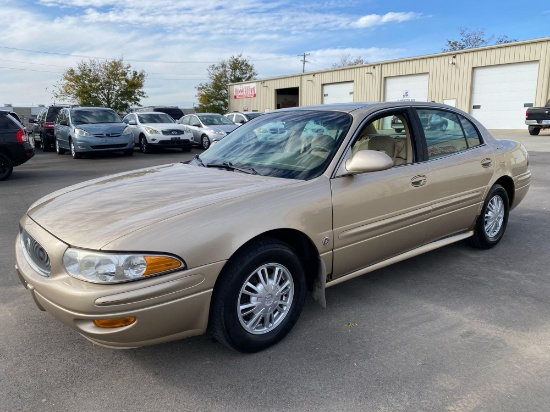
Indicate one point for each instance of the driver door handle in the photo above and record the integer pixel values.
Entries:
(419, 180)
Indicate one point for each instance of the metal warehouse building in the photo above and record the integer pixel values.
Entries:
(494, 83)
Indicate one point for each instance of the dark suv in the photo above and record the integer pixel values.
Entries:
(42, 130)
(15, 148)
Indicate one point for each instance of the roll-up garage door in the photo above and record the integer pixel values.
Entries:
(501, 93)
(338, 93)
(413, 88)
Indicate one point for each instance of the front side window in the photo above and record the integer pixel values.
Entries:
(283, 144)
(443, 132)
(389, 133)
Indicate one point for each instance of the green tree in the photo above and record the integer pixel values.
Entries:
(213, 95)
(106, 83)
(347, 60)
(470, 39)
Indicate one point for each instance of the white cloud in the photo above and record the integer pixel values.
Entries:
(372, 20)
(150, 34)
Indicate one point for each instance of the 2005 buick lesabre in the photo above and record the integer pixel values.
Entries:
(295, 200)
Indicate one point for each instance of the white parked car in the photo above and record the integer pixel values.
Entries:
(158, 130)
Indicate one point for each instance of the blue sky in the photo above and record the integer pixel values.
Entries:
(174, 41)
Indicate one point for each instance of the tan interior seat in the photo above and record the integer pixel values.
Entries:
(384, 144)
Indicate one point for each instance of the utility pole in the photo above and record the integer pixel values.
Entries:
(304, 61)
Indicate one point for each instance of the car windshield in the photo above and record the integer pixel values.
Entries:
(91, 116)
(215, 119)
(155, 118)
(295, 145)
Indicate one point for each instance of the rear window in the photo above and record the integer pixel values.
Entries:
(52, 114)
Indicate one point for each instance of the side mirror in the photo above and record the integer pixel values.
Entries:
(195, 124)
(368, 161)
(132, 122)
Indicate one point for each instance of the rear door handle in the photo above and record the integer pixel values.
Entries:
(419, 180)
(486, 162)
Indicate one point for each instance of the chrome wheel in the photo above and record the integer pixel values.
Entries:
(265, 298)
(73, 151)
(494, 216)
(205, 142)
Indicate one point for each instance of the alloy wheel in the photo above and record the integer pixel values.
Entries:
(494, 216)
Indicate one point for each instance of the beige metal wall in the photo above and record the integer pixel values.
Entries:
(446, 80)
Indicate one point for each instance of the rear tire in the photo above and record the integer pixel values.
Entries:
(534, 131)
(6, 166)
(258, 296)
(492, 221)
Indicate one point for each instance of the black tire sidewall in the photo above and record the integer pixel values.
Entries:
(205, 146)
(9, 166)
(237, 336)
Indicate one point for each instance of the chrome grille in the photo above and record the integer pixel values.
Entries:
(173, 132)
(35, 254)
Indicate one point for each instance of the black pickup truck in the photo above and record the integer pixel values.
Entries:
(537, 118)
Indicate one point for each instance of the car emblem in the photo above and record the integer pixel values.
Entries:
(174, 132)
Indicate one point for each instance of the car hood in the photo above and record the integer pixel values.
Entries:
(94, 213)
(103, 128)
(223, 127)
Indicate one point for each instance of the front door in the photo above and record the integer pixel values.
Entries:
(381, 214)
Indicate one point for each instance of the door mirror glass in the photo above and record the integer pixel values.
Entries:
(132, 122)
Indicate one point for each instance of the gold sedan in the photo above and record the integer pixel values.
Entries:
(296, 200)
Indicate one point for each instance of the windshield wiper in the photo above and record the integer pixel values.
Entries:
(231, 166)
(199, 161)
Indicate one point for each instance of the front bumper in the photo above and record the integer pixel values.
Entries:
(103, 144)
(166, 307)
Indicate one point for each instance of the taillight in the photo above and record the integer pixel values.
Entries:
(48, 125)
(526, 113)
(21, 136)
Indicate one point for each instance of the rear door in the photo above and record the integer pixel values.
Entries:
(461, 166)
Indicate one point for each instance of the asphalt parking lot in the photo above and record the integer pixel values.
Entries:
(456, 329)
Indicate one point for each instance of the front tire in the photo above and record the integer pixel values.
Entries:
(6, 167)
(492, 221)
(258, 296)
(205, 141)
(58, 149)
(46, 145)
(143, 145)
(74, 153)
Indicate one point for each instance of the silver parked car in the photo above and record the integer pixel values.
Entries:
(208, 127)
(91, 129)
(242, 117)
(158, 130)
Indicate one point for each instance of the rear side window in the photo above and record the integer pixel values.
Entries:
(7, 124)
(444, 132)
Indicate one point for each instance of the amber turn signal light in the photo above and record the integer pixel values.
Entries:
(157, 264)
(114, 323)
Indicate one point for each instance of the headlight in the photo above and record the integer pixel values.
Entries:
(127, 130)
(218, 132)
(99, 267)
(81, 132)
(150, 130)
